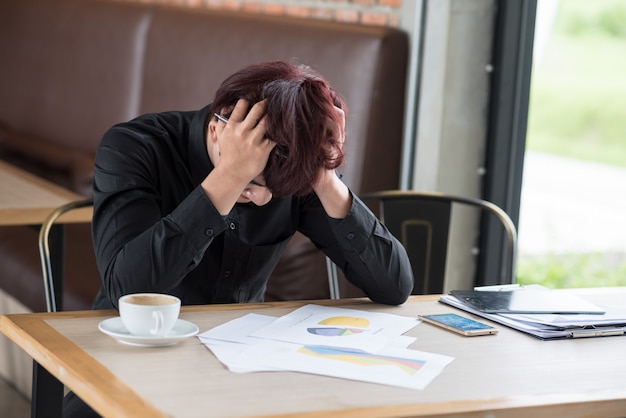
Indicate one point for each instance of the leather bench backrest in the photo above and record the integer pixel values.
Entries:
(69, 71)
(73, 68)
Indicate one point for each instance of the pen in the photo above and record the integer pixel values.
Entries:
(220, 117)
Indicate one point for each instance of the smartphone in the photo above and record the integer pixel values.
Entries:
(459, 324)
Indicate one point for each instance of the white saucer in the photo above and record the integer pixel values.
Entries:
(116, 329)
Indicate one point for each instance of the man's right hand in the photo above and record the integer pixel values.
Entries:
(239, 151)
(243, 149)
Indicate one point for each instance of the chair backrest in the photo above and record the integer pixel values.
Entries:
(421, 221)
(52, 264)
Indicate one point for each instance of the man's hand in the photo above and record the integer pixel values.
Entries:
(243, 149)
(239, 151)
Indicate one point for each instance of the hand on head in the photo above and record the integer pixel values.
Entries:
(242, 149)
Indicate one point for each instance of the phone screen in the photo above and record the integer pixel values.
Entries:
(459, 324)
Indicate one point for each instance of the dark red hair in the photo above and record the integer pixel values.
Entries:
(300, 118)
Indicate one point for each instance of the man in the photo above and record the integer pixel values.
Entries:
(201, 208)
(201, 204)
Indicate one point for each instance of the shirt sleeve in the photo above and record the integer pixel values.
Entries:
(368, 254)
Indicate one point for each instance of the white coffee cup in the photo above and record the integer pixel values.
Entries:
(149, 314)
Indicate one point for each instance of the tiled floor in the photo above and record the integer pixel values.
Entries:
(12, 403)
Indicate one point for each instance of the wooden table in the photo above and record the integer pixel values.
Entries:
(26, 199)
(509, 374)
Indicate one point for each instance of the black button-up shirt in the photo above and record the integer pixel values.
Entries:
(155, 229)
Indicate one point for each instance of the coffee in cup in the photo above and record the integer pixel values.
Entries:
(149, 314)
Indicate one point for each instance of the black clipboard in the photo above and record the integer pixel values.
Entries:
(526, 301)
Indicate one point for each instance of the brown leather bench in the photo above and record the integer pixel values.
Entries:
(72, 68)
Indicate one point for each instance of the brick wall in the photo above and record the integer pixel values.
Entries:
(367, 12)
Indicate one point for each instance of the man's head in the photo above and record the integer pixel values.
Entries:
(300, 118)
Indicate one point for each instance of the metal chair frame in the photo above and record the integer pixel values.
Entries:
(489, 207)
(52, 282)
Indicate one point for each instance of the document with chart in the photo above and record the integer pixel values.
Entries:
(329, 341)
